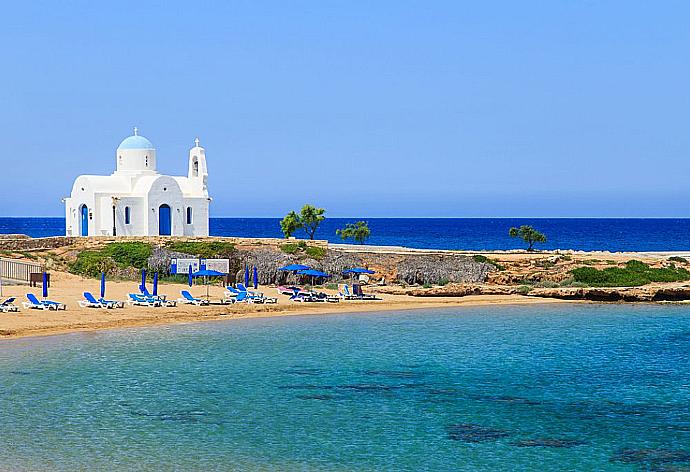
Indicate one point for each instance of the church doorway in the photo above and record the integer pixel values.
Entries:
(84, 211)
(164, 220)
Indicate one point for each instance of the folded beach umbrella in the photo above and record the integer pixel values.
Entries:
(155, 284)
(294, 267)
(191, 276)
(246, 276)
(256, 278)
(142, 287)
(45, 285)
(102, 284)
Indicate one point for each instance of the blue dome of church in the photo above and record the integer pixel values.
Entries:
(136, 142)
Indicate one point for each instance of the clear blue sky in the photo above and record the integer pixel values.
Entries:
(385, 108)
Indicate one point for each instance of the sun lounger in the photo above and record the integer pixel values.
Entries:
(357, 292)
(90, 301)
(136, 299)
(114, 303)
(8, 305)
(283, 290)
(161, 298)
(345, 294)
(35, 303)
(190, 300)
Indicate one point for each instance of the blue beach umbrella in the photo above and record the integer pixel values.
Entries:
(142, 287)
(102, 284)
(206, 273)
(313, 273)
(45, 285)
(191, 276)
(359, 270)
(256, 278)
(246, 276)
(155, 284)
(294, 268)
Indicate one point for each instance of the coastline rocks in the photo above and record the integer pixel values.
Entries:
(615, 294)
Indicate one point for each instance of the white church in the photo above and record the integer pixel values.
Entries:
(138, 201)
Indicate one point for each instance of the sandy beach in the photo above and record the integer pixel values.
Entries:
(68, 288)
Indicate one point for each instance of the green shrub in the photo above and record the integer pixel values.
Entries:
(289, 248)
(203, 249)
(129, 254)
(524, 289)
(482, 258)
(682, 260)
(314, 252)
(332, 286)
(634, 273)
(427, 285)
(91, 263)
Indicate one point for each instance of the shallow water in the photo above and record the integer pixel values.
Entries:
(588, 387)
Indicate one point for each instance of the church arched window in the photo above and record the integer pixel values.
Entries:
(189, 215)
(147, 161)
(195, 167)
(127, 215)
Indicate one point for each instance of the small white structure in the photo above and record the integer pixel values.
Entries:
(138, 201)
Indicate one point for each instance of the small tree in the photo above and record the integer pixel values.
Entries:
(359, 231)
(290, 224)
(310, 218)
(528, 235)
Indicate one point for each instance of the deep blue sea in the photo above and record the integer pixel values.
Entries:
(500, 388)
(449, 233)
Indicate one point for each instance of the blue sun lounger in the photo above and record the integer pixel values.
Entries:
(90, 301)
(35, 303)
(190, 300)
(8, 305)
(141, 300)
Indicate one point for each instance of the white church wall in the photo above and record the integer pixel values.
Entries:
(165, 191)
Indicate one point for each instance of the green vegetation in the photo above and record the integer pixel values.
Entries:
(635, 273)
(314, 252)
(92, 263)
(293, 248)
(524, 289)
(203, 249)
(427, 285)
(359, 232)
(682, 260)
(290, 224)
(528, 234)
(482, 258)
(309, 219)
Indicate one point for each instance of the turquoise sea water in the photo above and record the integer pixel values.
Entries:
(578, 387)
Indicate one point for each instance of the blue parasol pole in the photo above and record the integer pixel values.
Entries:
(142, 287)
(45, 285)
(102, 284)
(190, 277)
(256, 278)
(155, 284)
